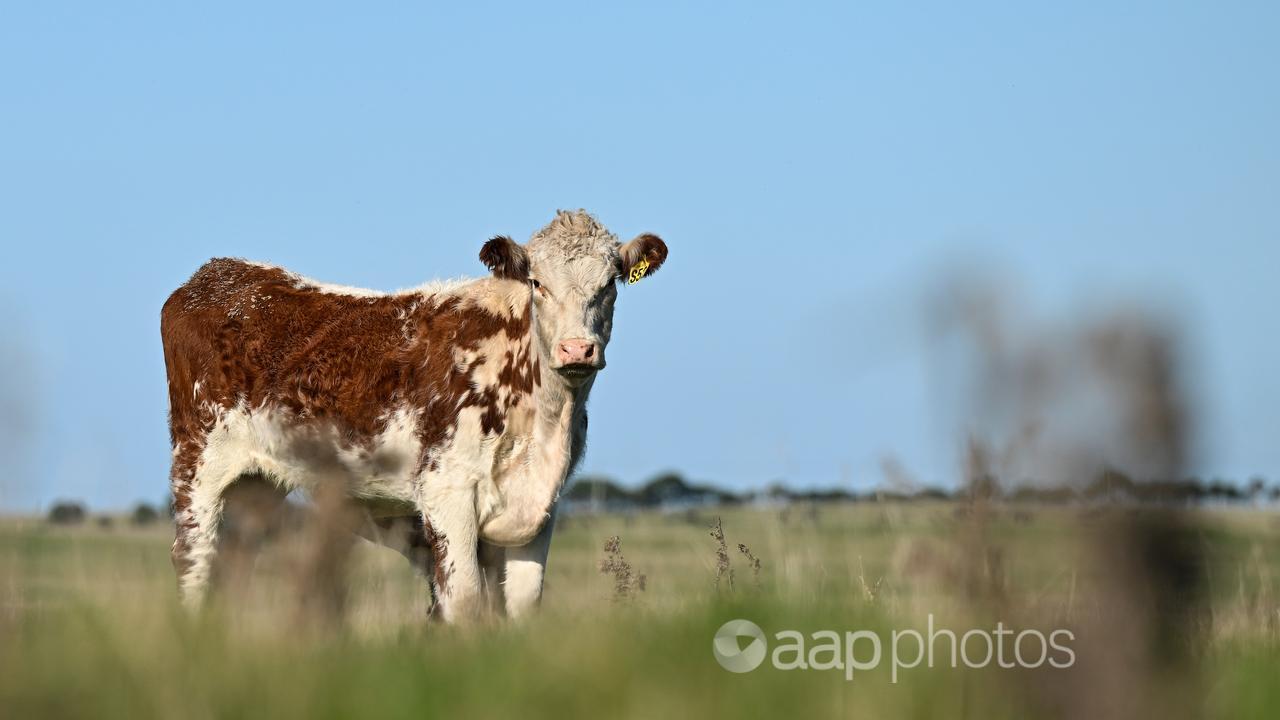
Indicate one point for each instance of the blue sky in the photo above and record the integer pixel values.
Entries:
(811, 168)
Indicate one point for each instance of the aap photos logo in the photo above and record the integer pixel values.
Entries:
(739, 646)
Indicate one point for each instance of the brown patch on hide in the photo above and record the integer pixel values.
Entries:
(446, 389)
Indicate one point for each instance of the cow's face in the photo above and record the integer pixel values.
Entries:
(573, 268)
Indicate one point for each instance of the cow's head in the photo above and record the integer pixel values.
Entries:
(573, 267)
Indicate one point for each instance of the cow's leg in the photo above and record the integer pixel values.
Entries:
(406, 535)
(493, 560)
(252, 509)
(450, 530)
(198, 480)
(197, 513)
(525, 568)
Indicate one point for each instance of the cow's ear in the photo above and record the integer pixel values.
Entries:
(505, 258)
(641, 257)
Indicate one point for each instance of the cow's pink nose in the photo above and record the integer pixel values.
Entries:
(577, 352)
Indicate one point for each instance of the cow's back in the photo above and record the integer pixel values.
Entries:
(243, 333)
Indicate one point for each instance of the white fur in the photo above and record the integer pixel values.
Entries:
(431, 287)
(245, 441)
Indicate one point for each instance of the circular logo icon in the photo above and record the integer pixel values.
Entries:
(731, 654)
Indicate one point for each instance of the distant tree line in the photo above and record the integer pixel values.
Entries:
(671, 491)
(71, 512)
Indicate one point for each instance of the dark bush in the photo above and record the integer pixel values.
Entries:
(597, 488)
(65, 512)
(144, 514)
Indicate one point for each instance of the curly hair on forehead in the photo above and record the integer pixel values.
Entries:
(574, 233)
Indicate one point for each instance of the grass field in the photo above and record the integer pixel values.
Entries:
(90, 627)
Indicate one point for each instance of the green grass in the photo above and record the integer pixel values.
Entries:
(90, 627)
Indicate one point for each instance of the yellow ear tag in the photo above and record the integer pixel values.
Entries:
(637, 271)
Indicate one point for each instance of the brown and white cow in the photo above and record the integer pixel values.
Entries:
(457, 409)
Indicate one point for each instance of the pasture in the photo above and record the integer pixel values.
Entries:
(90, 625)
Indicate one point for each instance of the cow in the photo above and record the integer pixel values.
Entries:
(453, 412)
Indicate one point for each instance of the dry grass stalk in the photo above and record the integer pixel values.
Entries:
(869, 591)
(323, 569)
(753, 562)
(1139, 638)
(724, 571)
(626, 582)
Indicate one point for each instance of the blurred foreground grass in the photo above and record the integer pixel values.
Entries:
(89, 624)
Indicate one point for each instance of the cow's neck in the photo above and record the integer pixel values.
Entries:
(530, 490)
